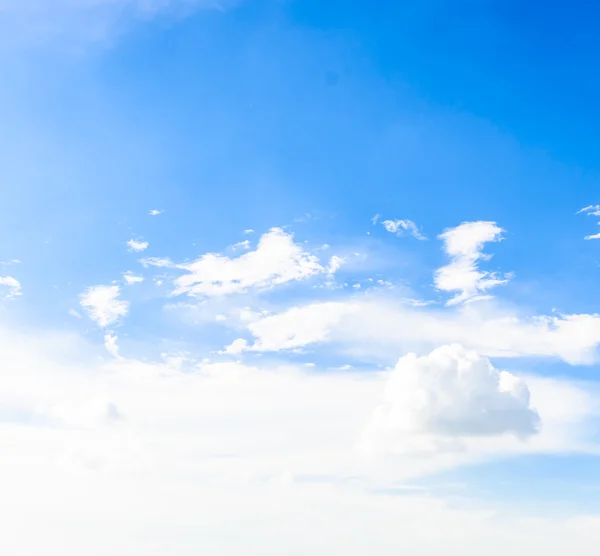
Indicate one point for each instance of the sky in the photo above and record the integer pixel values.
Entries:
(288, 276)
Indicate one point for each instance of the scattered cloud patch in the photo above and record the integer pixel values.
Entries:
(103, 305)
(155, 212)
(131, 278)
(137, 246)
(13, 286)
(244, 245)
(276, 260)
(590, 210)
(464, 245)
(403, 227)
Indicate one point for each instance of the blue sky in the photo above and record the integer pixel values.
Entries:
(335, 186)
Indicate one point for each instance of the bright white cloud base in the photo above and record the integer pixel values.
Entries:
(230, 459)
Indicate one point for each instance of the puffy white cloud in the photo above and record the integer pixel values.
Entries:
(402, 227)
(130, 278)
(276, 260)
(155, 212)
(436, 400)
(102, 304)
(137, 246)
(377, 329)
(13, 285)
(464, 245)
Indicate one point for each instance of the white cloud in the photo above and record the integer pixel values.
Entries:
(137, 246)
(593, 210)
(377, 329)
(155, 212)
(334, 264)
(249, 231)
(435, 401)
(13, 285)
(236, 347)
(401, 227)
(262, 448)
(276, 260)
(464, 245)
(131, 278)
(241, 245)
(110, 343)
(161, 262)
(102, 304)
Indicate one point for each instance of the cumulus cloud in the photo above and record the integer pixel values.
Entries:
(137, 246)
(102, 304)
(276, 260)
(464, 245)
(377, 329)
(12, 284)
(401, 227)
(436, 400)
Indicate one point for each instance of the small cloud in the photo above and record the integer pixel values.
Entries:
(402, 227)
(595, 236)
(102, 304)
(241, 245)
(131, 278)
(155, 212)
(236, 347)
(334, 264)
(110, 343)
(464, 244)
(161, 262)
(375, 219)
(590, 210)
(249, 231)
(74, 313)
(13, 285)
(137, 246)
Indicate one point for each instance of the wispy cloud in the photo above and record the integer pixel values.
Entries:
(402, 227)
(464, 245)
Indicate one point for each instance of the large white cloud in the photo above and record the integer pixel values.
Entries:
(205, 458)
(382, 328)
(463, 245)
